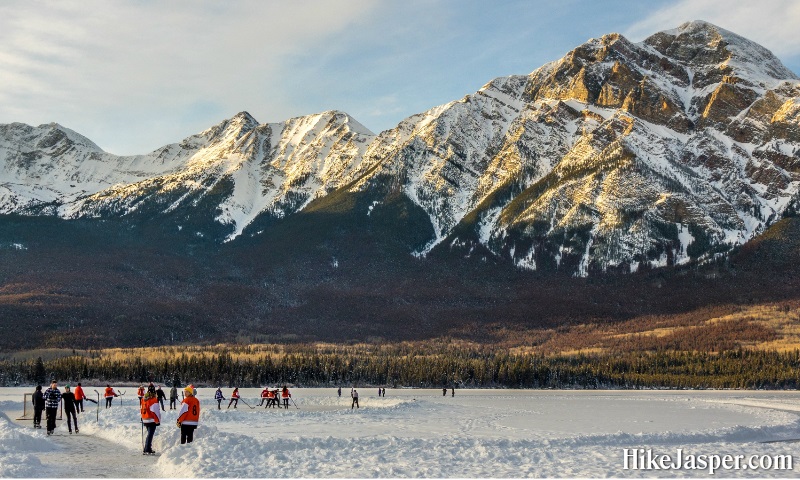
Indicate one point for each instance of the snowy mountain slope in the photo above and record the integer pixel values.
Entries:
(617, 156)
(275, 167)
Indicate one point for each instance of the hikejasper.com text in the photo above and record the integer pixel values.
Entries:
(646, 459)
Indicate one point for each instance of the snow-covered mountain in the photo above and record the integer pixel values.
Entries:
(251, 168)
(616, 156)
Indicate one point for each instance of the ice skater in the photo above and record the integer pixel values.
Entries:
(173, 397)
(234, 398)
(109, 395)
(52, 399)
(189, 415)
(286, 395)
(69, 409)
(355, 399)
(151, 418)
(218, 397)
(38, 406)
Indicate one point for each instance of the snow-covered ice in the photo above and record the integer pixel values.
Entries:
(414, 433)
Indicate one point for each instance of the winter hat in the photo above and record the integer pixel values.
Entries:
(66, 388)
(151, 389)
(189, 390)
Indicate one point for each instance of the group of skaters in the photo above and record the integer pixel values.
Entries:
(161, 396)
(48, 402)
(272, 397)
(151, 404)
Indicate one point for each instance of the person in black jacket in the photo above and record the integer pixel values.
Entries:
(52, 399)
(38, 406)
(161, 397)
(69, 409)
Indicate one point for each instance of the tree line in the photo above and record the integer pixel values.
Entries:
(409, 366)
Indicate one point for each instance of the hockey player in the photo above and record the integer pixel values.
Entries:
(188, 415)
(151, 418)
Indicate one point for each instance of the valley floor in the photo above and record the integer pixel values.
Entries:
(417, 433)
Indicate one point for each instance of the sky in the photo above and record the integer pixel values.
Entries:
(133, 75)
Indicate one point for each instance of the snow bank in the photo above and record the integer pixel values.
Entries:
(17, 450)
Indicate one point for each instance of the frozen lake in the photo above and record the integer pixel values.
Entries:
(416, 432)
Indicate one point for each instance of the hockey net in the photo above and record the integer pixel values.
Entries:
(27, 408)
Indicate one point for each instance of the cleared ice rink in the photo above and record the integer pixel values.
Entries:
(415, 432)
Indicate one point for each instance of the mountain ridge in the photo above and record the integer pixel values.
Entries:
(618, 155)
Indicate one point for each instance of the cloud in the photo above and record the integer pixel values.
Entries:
(96, 66)
(771, 23)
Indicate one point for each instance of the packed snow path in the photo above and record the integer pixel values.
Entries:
(107, 459)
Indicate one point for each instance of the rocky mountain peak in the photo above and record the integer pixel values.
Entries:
(715, 53)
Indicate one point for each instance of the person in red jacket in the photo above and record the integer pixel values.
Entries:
(189, 415)
(140, 393)
(285, 394)
(109, 395)
(151, 418)
(234, 398)
(264, 396)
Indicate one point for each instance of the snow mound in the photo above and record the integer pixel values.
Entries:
(13, 442)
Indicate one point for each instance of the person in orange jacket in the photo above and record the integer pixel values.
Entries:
(264, 396)
(285, 394)
(109, 395)
(151, 418)
(188, 415)
(140, 393)
(234, 398)
(79, 396)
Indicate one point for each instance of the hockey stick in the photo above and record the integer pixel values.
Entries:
(295, 405)
(242, 400)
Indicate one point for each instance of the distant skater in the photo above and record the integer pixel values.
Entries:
(444, 391)
(218, 397)
(110, 394)
(384, 392)
(189, 415)
(379, 392)
(52, 399)
(454, 391)
(286, 395)
(355, 399)
(264, 396)
(161, 397)
(38, 406)
(69, 409)
(173, 397)
(234, 398)
(340, 392)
